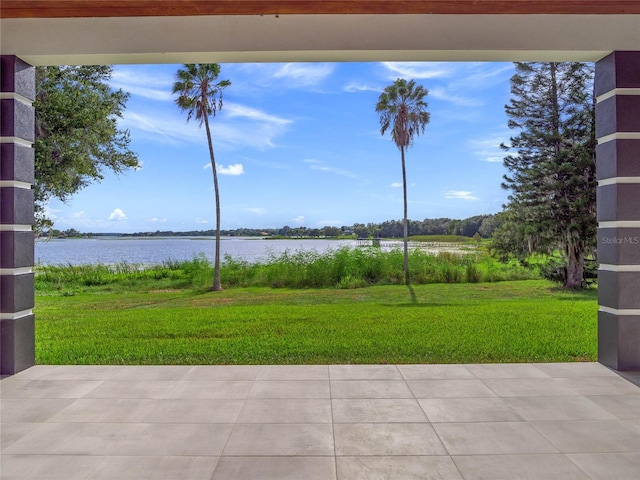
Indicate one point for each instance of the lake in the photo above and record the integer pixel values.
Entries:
(155, 250)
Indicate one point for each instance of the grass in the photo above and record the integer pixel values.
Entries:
(523, 321)
(67, 280)
(343, 268)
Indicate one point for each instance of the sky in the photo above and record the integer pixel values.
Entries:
(299, 144)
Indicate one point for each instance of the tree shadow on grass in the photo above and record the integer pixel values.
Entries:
(414, 301)
(418, 305)
(586, 294)
(412, 292)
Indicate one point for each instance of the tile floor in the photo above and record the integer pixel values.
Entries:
(346, 422)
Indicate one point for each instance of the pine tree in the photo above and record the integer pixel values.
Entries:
(552, 175)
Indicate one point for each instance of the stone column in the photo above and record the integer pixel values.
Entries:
(17, 134)
(617, 89)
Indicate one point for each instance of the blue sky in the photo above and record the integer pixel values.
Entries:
(300, 145)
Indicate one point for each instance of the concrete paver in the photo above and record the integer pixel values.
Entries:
(326, 422)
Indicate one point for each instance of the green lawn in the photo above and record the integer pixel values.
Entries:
(518, 321)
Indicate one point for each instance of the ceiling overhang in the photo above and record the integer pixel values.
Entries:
(47, 32)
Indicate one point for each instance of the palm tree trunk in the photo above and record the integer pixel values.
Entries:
(405, 221)
(216, 268)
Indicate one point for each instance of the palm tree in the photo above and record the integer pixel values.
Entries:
(402, 108)
(200, 95)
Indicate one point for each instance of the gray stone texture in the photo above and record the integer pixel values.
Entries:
(17, 162)
(618, 158)
(618, 341)
(16, 293)
(617, 70)
(618, 114)
(618, 290)
(16, 206)
(619, 246)
(16, 249)
(17, 76)
(18, 344)
(17, 119)
(17, 339)
(619, 202)
(618, 335)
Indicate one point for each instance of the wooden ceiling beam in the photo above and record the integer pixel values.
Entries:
(145, 8)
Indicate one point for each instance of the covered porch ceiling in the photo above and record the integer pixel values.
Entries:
(48, 32)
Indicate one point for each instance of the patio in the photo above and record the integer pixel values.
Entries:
(506, 421)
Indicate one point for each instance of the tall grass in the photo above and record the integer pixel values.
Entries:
(121, 276)
(353, 268)
(340, 268)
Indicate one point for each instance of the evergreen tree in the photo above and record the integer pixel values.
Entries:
(552, 172)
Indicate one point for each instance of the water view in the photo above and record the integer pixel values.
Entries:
(110, 250)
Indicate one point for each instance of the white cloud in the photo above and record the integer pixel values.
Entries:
(463, 75)
(156, 219)
(336, 170)
(481, 75)
(448, 79)
(168, 128)
(488, 149)
(236, 169)
(362, 87)
(284, 75)
(256, 210)
(322, 167)
(303, 74)
(138, 81)
(444, 95)
(79, 220)
(234, 110)
(299, 219)
(201, 221)
(244, 127)
(418, 70)
(117, 215)
(50, 212)
(460, 195)
(396, 185)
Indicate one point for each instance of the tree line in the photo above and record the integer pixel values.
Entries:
(484, 225)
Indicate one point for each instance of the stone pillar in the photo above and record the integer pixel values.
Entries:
(17, 134)
(617, 89)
